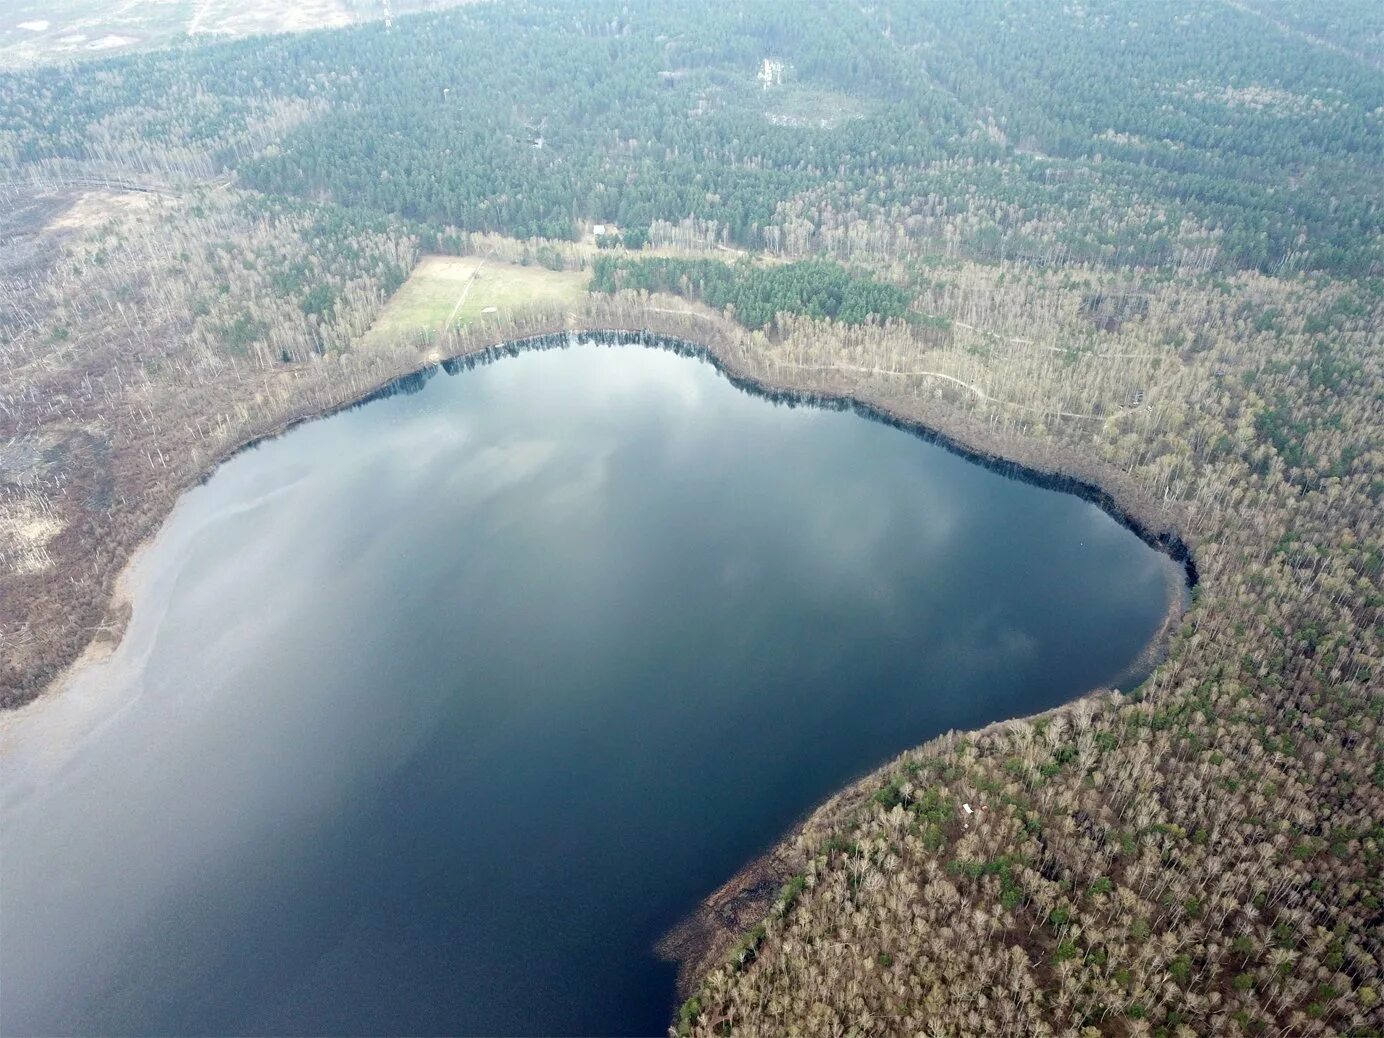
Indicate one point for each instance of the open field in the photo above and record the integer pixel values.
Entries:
(452, 291)
(37, 31)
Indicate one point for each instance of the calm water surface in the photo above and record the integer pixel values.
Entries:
(433, 716)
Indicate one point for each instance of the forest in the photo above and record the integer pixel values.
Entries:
(1137, 244)
(755, 296)
(1130, 134)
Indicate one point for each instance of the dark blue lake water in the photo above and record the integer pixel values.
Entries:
(434, 715)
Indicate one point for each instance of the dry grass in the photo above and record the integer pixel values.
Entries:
(453, 291)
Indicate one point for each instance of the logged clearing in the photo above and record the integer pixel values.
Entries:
(452, 291)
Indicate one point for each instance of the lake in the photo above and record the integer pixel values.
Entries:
(434, 715)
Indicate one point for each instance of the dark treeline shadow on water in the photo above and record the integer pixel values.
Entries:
(435, 715)
(1166, 541)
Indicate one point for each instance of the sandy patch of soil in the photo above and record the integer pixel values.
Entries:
(27, 525)
(94, 208)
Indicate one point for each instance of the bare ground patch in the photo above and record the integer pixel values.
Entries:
(91, 209)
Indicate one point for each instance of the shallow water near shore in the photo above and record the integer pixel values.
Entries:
(434, 715)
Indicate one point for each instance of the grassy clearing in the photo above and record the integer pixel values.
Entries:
(453, 291)
(804, 107)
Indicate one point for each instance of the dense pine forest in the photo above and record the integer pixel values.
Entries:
(755, 296)
(1126, 133)
(1139, 244)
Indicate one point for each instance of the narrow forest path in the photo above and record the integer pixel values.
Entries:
(971, 387)
(465, 291)
(1050, 349)
(1302, 34)
(980, 393)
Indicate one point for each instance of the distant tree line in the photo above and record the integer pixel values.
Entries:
(1134, 134)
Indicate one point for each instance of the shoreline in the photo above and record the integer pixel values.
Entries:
(706, 935)
(713, 927)
(1059, 472)
(1159, 534)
